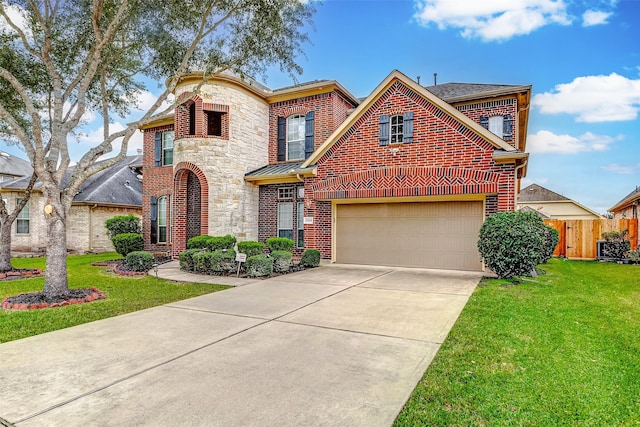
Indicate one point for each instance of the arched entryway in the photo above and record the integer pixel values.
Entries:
(191, 205)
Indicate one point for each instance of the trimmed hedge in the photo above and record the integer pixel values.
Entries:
(251, 248)
(222, 261)
(212, 243)
(123, 224)
(127, 242)
(186, 259)
(513, 243)
(310, 258)
(280, 244)
(281, 261)
(259, 265)
(139, 260)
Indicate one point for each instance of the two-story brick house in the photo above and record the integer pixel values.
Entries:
(403, 177)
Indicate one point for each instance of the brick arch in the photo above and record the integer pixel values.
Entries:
(182, 116)
(182, 172)
(400, 181)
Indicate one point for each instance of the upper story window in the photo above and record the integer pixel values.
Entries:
(296, 136)
(214, 122)
(163, 148)
(501, 126)
(396, 129)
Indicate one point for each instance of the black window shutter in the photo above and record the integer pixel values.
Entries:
(384, 129)
(309, 120)
(157, 153)
(153, 216)
(407, 123)
(282, 139)
(507, 127)
(484, 122)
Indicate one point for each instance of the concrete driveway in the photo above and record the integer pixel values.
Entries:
(333, 346)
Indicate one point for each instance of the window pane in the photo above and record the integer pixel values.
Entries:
(162, 219)
(22, 226)
(167, 148)
(495, 125)
(295, 137)
(396, 129)
(300, 224)
(285, 220)
(162, 234)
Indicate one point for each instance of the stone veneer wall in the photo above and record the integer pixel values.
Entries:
(233, 203)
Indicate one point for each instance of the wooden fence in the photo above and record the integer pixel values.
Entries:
(578, 238)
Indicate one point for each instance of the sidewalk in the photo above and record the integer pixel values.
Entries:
(171, 271)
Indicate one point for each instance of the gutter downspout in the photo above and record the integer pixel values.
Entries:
(515, 193)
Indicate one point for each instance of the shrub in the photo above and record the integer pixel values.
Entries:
(551, 239)
(513, 243)
(251, 248)
(139, 260)
(201, 261)
(127, 242)
(212, 243)
(259, 265)
(281, 261)
(310, 258)
(222, 261)
(123, 224)
(616, 244)
(634, 255)
(186, 259)
(280, 244)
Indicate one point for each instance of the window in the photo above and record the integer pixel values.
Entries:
(295, 137)
(396, 129)
(300, 242)
(496, 124)
(167, 148)
(285, 220)
(192, 118)
(22, 221)
(214, 122)
(285, 193)
(162, 219)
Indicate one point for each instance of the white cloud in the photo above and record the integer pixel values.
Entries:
(492, 20)
(86, 141)
(17, 16)
(547, 142)
(593, 98)
(595, 17)
(146, 99)
(622, 169)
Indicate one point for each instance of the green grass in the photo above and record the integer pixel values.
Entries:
(559, 350)
(124, 295)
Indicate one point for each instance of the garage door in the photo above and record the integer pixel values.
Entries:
(430, 235)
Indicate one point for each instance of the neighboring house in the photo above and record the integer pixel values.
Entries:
(404, 177)
(114, 191)
(550, 205)
(627, 208)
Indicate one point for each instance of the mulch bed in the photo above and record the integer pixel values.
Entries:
(20, 273)
(38, 300)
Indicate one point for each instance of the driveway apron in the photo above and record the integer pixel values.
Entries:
(332, 346)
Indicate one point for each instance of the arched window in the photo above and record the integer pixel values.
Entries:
(295, 137)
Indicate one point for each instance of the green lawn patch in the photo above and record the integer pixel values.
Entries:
(124, 295)
(561, 349)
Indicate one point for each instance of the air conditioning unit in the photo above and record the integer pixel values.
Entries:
(600, 249)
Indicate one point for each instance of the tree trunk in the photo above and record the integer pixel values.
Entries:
(55, 277)
(5, 246)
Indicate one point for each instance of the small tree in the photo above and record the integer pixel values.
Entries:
(616, 244)
(513, 243)
(128, 242)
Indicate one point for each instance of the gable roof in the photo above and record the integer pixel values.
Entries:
(117, 185)
(502, 147)
(634, 196)
(457, 92)
(537, 193)
(14, 166)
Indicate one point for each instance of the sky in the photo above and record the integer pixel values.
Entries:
(582, 59)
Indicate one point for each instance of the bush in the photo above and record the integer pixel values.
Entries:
(201, 261)
(123, 224)
(513, 243)
(223, 261)
(139, 261)
(186, 259)
(616, 244)
(212, 243)
(634, 255)
(259, 265)
(127, 242)
(310, 258)
(281, 261)
(280, 244)
(251, 248)
(551, 239)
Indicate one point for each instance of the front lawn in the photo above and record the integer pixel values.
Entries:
(561, 349)
(124, 295)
